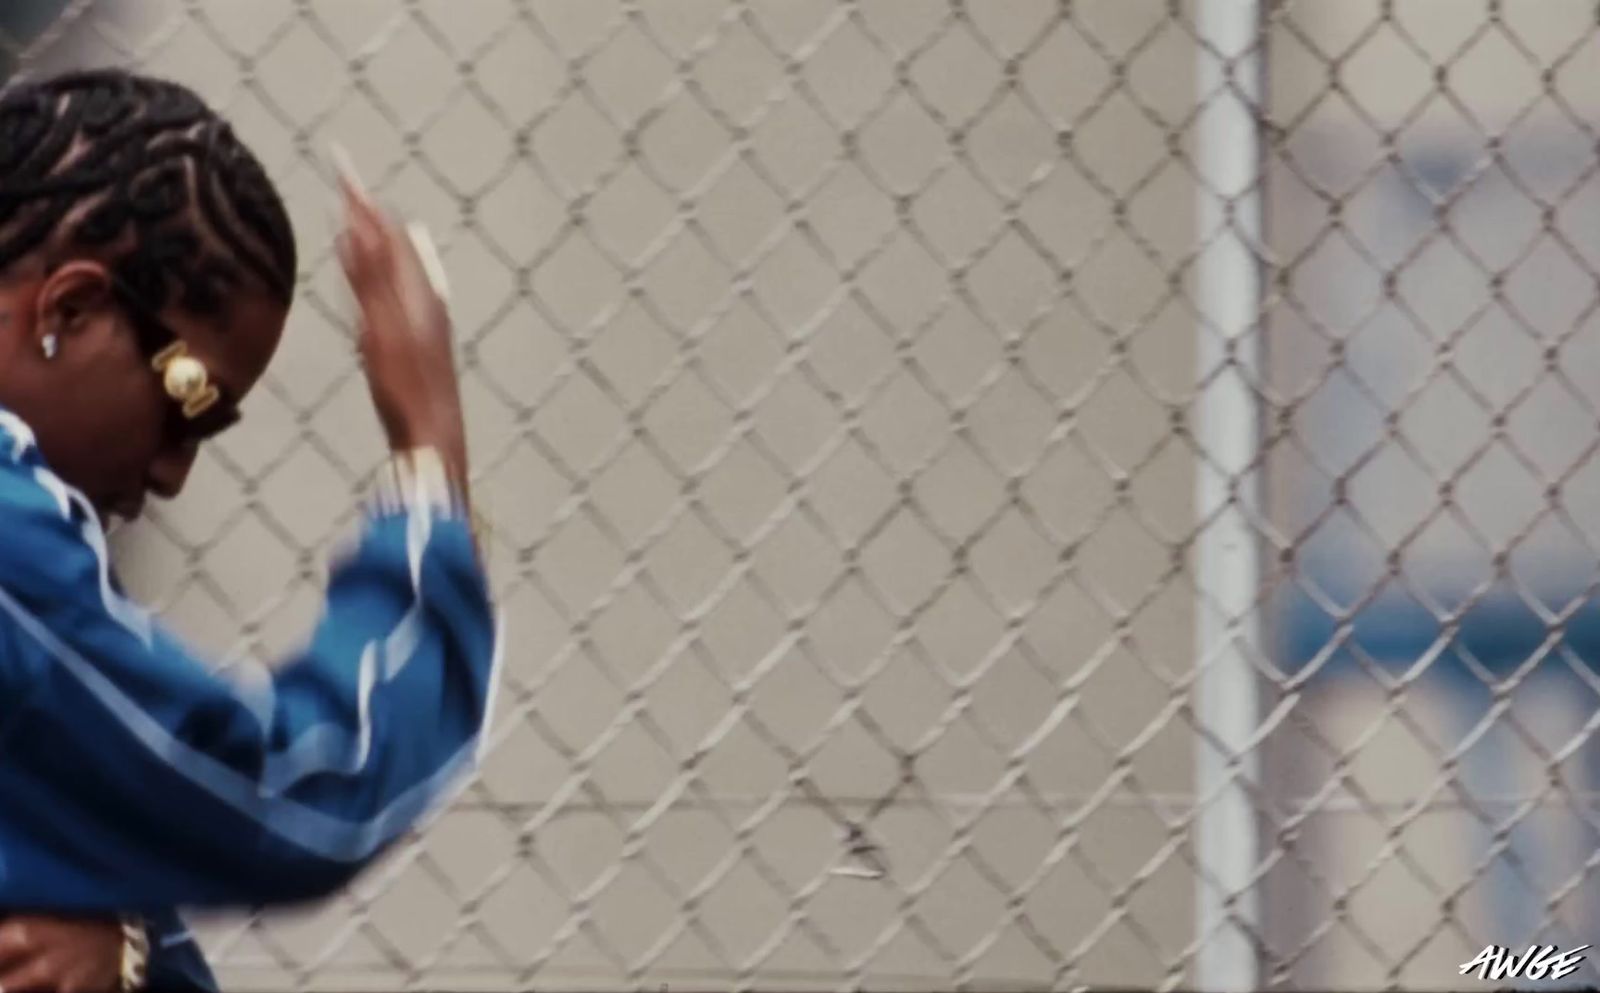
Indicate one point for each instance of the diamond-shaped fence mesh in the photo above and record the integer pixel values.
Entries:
(850, 390)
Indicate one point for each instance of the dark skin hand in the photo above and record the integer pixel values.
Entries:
(405, 337)
(47, 954)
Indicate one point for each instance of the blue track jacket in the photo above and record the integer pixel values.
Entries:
(134, 779)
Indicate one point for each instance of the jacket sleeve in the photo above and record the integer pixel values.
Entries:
(133, 776)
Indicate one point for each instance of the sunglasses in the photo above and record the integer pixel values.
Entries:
(200, 409)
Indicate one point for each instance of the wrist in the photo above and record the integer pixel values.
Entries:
(418, 478)
(444, 433)
(424, 409)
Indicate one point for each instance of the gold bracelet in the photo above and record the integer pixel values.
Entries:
(418, 477)
(135, 955)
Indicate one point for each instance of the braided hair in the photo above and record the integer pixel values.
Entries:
(141, 173)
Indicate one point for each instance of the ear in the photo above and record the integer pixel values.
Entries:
(71, 297)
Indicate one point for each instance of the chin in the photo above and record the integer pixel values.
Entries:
(110, 514)
(116, 517)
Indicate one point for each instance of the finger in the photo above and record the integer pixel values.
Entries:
(354, 214)
(366, 218)
(32, 976)
(362, 219)
(378, 239)
(351, 258)
(376, 234)
(361, 250)
(427, 254)
(16, 944)
(393, 283)
(349, 179)
(387, 262)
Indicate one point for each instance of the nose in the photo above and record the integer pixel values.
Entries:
(170, 470)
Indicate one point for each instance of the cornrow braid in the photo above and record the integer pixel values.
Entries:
(142, 171)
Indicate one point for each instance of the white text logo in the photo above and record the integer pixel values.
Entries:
(1538, 962)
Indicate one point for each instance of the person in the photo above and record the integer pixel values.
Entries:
(146, 270)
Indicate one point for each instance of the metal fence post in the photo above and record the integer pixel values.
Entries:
(1227, 283)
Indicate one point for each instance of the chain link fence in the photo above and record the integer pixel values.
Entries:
(837, 374)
